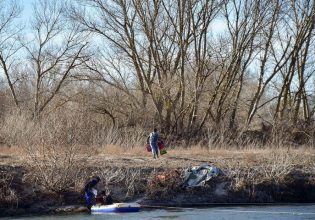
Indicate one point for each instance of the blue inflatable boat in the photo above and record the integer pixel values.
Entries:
(116, 207)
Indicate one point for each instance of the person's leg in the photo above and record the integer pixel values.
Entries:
(155, 147)
(157, 151)
(153, 150)
(88, 198)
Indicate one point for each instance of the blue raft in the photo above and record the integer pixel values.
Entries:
(116, 207)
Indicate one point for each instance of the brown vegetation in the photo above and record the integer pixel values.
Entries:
(8, 195)
(226, 82)
(53, 178)
(145, 64)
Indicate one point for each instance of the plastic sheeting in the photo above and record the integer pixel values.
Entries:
(199, 175)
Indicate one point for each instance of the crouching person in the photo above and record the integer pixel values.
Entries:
(90, 192)
(103, 199)
(108, 199)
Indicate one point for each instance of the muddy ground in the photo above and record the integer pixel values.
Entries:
(245, 178)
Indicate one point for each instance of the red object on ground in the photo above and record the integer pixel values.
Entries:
(162, 178)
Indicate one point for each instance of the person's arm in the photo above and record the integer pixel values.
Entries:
(87, 187)
(93, 183)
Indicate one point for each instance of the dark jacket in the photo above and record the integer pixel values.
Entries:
(109, 200)
(90, 185)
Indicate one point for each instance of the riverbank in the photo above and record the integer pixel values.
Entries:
(248, 176)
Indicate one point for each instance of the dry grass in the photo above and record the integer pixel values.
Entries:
(120, 150)
(60, 163)
(302, 156)
(8, 196)
(13, 150)
(55, 168)
(63, 150)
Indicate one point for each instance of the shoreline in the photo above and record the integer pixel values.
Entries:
(77, 209)
(138, 182)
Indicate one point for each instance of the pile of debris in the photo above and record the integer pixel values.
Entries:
(200, 175)
(165, 185)
(168, 184)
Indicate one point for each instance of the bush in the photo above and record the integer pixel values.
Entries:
(8, 196)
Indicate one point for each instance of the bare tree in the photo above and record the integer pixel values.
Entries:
(244, 21)
(161, 63)
(57, 48)
(9, 46)
(155, 37)
(267, 44)
(300, 21)
(202, 15)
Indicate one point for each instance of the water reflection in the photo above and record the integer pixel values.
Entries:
(296, 212)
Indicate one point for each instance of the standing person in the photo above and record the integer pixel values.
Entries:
(90, 191)
(153, 139)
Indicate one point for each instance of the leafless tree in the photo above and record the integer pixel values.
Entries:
(56, 48)
(156, 38)
(300, 18)
(268, 41)
(162, 63)
(245, 20)
(9, 45)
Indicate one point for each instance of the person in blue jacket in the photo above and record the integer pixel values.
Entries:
(90, 191)
(153, 140)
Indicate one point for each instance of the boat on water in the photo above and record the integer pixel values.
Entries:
(116, 207)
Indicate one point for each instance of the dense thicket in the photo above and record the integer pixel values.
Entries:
(194, 69)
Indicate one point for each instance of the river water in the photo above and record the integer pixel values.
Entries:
(218, 213)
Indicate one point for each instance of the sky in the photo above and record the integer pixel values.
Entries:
(27, 9)
(217, 26)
